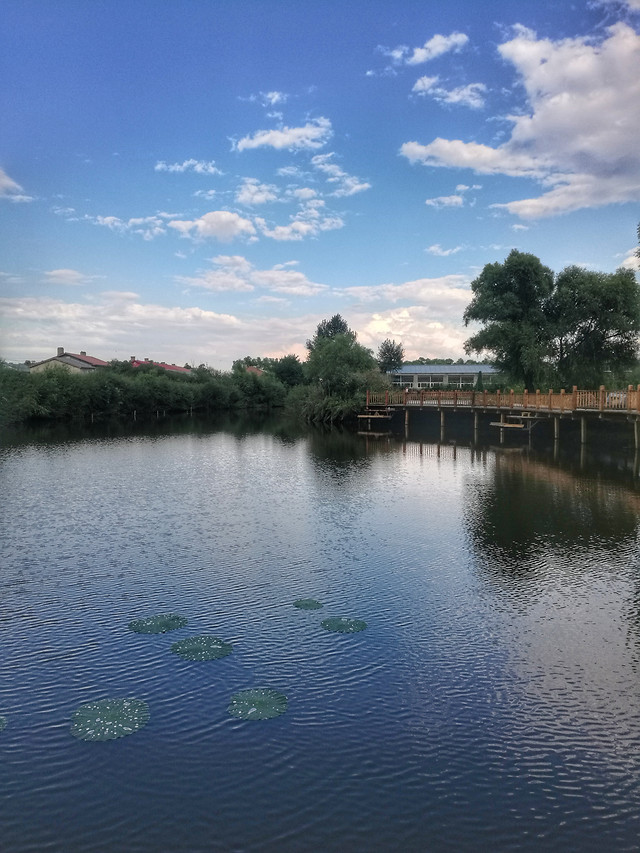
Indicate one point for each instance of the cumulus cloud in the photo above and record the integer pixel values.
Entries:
(252, 192)
(436, 46)
(579, 134)
(312, 135)
(345, 184)
(467, 96)
(415, 326)
(200, 167)
(11, 190)
(235, 273)
(221, 225)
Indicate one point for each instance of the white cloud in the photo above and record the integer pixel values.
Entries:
(11, 190)
(235, 273)
(221, 225)
(206, 194)
(309, 221)
(437, 250)
(252, 192)
(447, 296)
(68, 277)
(201, 167)
(468, 96)
(415, 326)
(631, 260)
(433, 48)
(579, 134)
(346, 185)
(147, 227)
(312, 135)
(445, 201)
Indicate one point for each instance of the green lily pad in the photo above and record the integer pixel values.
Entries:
(3, 723)
(202, 648)
(307, 604)
(342, 625)
(159, 624)
(260, 703)
(108, 719)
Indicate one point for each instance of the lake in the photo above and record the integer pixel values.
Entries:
(491, 703)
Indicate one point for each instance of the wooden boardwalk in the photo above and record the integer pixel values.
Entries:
(516, 411)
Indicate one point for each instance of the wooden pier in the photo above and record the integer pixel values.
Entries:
(515, 411)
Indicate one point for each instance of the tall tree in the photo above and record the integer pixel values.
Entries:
(390, 355)
(337, 364)
(329, 329)
(509, 299)
(594, 319)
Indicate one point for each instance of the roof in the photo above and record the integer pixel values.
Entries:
(89, 359)
(174, 368)
(79, 360)
(445, 369)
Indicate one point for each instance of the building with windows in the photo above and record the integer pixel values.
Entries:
(434, 376)
(73, 362)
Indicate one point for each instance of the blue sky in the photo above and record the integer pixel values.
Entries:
(198, 181)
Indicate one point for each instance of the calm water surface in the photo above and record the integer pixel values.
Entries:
(492, 703)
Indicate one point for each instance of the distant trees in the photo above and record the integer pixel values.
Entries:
(390, 355)
(573, 328)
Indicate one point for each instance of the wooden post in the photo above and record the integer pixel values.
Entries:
(502, 420)
(498, 398)
(549, 405)
(583, 429)
(638, 399)
(629, 395)
(367, 398)
(601, 396)
(386, 398)
(511, 399)
(556, 428)
(636, 434)
(562, 399)
(484, 397)
(442, 425)
(574, 398)
(537, 398)
(455, 399)
(526, 399)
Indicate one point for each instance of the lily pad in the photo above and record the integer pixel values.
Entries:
(3, 723)
(202, 648)
(108, 719)
(307, 604)
(343, 625)
(259, 703)
(159, 624)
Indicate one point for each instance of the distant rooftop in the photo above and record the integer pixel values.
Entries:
(445, 369)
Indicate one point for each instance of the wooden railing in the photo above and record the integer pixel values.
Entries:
(548, 401)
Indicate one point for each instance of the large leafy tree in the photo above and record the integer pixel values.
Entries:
(509, 300)
(329, 329)
(594, 319)
(337, 364)
(390, 355)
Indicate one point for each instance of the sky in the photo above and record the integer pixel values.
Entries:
(202, 180)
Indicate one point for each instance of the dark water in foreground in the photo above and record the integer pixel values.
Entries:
(492, 703)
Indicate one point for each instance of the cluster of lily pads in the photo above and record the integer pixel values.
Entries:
(108, 719)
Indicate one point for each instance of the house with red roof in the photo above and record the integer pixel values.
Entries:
(74, 362)
(170, 368)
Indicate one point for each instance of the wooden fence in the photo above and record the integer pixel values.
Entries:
(622, 402)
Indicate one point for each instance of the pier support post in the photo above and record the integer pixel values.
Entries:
(583, 429)
(636, 433)
(556, 428)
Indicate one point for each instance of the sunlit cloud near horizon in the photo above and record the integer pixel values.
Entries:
(220, 200)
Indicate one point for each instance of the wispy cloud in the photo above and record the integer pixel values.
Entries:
(200, 167)
(11, 190)
(236, 273)
(69, 277)
(345, 184)
(434, 47)
(437, 250)
(471, 95)
(221, 225)
(312, 135)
